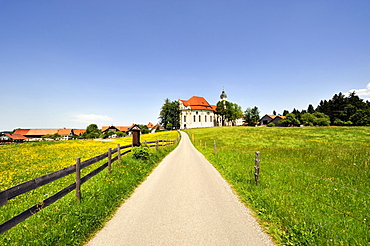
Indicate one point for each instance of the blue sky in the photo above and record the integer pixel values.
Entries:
(72, 63)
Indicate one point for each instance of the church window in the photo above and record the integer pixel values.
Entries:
(210, 118)
(199, 119)
(194, 118)
(205, 118)
(184, 118)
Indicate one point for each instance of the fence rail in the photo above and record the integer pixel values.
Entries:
(30, 185)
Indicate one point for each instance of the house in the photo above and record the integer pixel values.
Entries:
(125, 129)
(197, 112)
(156, 128)
(8, 137)
(267, 119)
(37, 134)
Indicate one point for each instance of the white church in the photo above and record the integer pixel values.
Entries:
(197, 112)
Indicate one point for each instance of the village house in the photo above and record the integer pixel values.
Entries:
(124, 129)
(267, 119)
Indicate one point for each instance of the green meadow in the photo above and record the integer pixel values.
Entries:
(67, 221)
(314, 183)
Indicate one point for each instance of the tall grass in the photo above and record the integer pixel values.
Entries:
(68, 222)
(314, 182)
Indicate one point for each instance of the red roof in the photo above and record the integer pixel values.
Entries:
(21, 131)
(198, 103)
(274, 116)
(150, 125)
(42, 132)
(16, 136)
(119, 128)
(79, 132)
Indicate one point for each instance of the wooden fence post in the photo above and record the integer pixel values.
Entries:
(156, 145)
(78, 178)
(214, 146)
(257, 167)
(109, 160)
(119, 153)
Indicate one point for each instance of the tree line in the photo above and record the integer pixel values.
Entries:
(341, 110)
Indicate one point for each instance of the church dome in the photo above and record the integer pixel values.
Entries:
(223, 95)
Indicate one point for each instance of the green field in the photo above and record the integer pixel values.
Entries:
(314, 184)
(68, 222)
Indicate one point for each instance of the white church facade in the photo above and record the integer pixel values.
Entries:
(197, 112)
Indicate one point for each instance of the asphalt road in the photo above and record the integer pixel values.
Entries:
(185, 201)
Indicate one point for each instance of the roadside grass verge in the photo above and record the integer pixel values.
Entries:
(68, 222)
(314, 184)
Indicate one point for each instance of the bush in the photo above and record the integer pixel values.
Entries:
(142, 152)
(271, 124)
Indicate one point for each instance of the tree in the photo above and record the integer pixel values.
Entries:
(361, 118)
(228, 111)
(92, 131)
(274, 112)
(290, 120)
(285, 112)
(321, 119)
(223, 110)
(340, 109)
(236, 113)
(251, 116)
(144, 129)
(170, 114)
(310, 109)
(54, 136)
(308, 119)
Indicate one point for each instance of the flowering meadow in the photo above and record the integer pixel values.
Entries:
(68, 222)
(314, 183)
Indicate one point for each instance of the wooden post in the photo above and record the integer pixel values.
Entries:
(214, 146)
(78, 178)
(156, 145)
(3, 198)
(118, 152)
(109, 160)
(257, 167)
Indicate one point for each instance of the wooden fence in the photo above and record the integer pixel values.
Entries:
(20, 189)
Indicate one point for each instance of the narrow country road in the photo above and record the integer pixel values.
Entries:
(185, 201)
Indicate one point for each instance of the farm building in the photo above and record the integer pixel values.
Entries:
(37, 134)
(267, 119)
(8, 137)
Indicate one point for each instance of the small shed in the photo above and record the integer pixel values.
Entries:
(135, 129)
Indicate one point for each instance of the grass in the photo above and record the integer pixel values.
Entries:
(68, 222)
(314, 184)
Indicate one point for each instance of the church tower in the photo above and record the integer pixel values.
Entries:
(223, 96)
